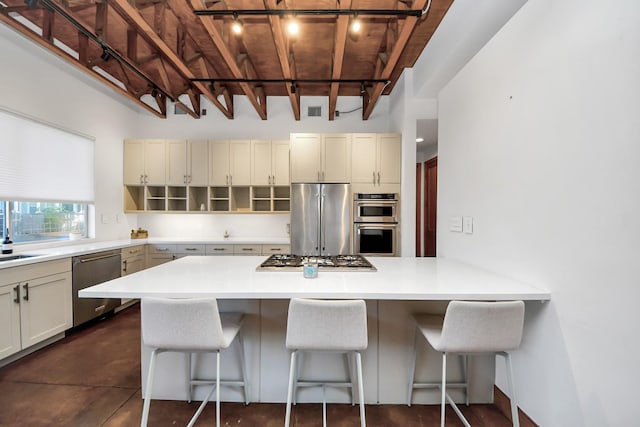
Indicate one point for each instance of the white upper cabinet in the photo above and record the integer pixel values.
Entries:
(144, 162)
(376, 159)
(389, 158)
(240, 162)
(336, 158)
(320, 158)
(230, 163)
(176, 162)
(280, 162)
(198, 162)
(219, 163)
(270, 162)
(306, 157)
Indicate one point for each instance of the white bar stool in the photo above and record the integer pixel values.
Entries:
(190, 326)
(470, 327)
(326, 325)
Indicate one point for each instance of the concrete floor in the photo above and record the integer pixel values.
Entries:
(92, 378)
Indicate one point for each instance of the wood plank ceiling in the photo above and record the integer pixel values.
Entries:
(160, 51)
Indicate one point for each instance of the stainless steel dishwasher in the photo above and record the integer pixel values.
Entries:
(89, 270)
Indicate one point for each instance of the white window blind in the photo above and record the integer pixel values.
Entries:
(42, 162)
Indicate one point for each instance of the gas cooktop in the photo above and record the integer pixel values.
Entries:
(288, 262)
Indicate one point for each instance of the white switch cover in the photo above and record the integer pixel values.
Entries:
(105, 219)
(455, 224)
(467, 224)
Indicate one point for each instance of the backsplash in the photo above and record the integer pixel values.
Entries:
(214, 225)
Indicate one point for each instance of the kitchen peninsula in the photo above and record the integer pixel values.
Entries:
(399, 287)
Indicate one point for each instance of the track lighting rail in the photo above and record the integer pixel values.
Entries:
(302, 12)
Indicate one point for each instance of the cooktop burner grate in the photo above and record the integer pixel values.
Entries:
(290, 262)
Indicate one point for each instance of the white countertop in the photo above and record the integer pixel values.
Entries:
(87, 246)
(229, 277)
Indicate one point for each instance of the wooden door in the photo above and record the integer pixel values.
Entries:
(430, 206)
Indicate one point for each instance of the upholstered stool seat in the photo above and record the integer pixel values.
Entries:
(470, 327)
(190, 326)
(326, 325)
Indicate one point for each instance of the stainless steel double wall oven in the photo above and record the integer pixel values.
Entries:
(376, 231)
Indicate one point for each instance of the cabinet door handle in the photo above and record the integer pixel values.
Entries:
(190, 249)
(378, 177)
(124, 263)
(141, 179)
(218, 249)
(26, 291)
(17, 291)
(374, 177)
(247, 249)
(162, 249)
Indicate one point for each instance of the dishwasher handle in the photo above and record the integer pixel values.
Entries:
(95, 258)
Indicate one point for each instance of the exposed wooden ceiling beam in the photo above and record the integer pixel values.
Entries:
(283, 56)
(229, 59)
(131, 15)
(80, 64)
(342, 29)
(402, 39)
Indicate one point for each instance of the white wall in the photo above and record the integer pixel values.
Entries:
(539, 143)
(38, 83)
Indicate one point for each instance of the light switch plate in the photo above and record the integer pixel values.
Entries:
(467, 224)
(455, 224)
(105, 219)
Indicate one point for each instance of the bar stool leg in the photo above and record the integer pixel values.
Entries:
(218, 388)
(147, 398)
(412, 367)
(243, 365)
(351, 368)
(363, 423)
(515, 418)
(292, 370)
(444, 388)
(189, 378)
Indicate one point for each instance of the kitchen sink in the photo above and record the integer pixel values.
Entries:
(14, 257)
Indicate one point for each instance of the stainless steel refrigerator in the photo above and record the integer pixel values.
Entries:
(320, 219)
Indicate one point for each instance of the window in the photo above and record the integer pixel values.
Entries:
(41, 221)
(46, 179)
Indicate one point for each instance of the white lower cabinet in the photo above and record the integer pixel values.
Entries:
(247, 249)
(159, 254)
(35, 304)
(133, 260)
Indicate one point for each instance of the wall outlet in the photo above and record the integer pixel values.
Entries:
(467, 224)
(455, 224)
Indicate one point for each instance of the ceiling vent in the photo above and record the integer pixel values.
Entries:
(177, 110)
(315, 112)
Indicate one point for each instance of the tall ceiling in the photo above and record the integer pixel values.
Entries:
(160, 51)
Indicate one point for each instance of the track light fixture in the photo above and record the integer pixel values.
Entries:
(355, 24)
(293, 27)
(236, 26)
(154, 92)
(105, 54)
(363, 90)
(293, 87)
